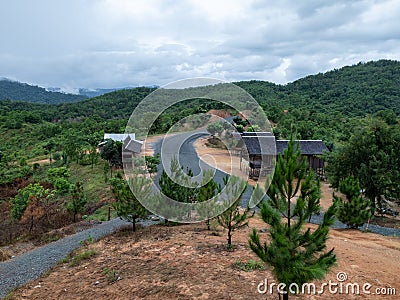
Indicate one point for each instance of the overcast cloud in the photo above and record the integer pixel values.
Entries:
(119, 43)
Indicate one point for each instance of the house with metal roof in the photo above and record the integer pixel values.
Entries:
(130, 146)
(259, 151)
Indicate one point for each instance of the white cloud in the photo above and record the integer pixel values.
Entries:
(106, 43)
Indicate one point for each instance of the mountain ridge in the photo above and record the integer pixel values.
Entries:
(19, 91)
(356, 90)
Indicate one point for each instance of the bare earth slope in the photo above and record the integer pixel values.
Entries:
(189, 262)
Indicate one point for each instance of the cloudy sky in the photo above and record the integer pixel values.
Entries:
(119, 43)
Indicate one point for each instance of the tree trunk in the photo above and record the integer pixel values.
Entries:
(288, 212)
(31, 225)
(133, 225)
(229, 236)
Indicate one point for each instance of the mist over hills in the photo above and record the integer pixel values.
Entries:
(357, 90)
(14, 90)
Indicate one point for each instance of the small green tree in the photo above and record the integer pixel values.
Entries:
(111, 151)
(355, 210)
(152, 163)
(297, 254)
(233, 218)
(209, 188)
(78, 200)
(59, 178)
(21, 201)
(54, 173)
(127, 205)
(33, 195)
(49, 146)
(310, 193)
(93, 141)
(215, 128)
(179, 186)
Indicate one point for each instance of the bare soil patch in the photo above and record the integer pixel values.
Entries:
(189, 262)
(220, 159)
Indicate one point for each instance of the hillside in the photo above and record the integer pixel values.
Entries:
(353, 91)
(13, 90)
(357, 90)
(189, 262)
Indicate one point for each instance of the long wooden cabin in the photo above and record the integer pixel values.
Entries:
(259, 149)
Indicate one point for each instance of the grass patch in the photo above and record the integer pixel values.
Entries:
(4, 255)
(86, 242)
(112, 275)
(49, 237)
(101, 214)
(249, 266)
(76, 260)
(94, 186)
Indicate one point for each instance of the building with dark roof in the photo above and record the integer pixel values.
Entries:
(259, 151)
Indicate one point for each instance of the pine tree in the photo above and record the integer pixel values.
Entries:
(355, 210)
(298, 255)
(207, 191)
(233, 218)
(127, 205)
(179, 186)
(78, 200)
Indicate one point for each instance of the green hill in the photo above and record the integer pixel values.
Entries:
(13, 90)
(325, 106)
(357, 90)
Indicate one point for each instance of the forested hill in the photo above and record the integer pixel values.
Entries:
(357, 90)
(111, 106)
(353, 91)
(13, 90)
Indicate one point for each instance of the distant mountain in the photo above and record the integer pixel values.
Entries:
(96, 92)
(99, 92)
(14, 90)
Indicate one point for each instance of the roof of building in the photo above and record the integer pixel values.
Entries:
(267, 145)
(257, 133)
(133, 146)
(307, 147)
(120, 137)
(260, 145)
(130, 144)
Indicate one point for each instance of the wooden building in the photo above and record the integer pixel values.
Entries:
(130, 146)
(260, 149)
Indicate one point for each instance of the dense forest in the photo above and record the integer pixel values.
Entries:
(341, 107)
(13, 90)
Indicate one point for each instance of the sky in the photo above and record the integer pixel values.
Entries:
(119, 43)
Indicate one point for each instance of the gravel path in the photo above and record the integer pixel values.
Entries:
(31, 265)
(386, 231)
